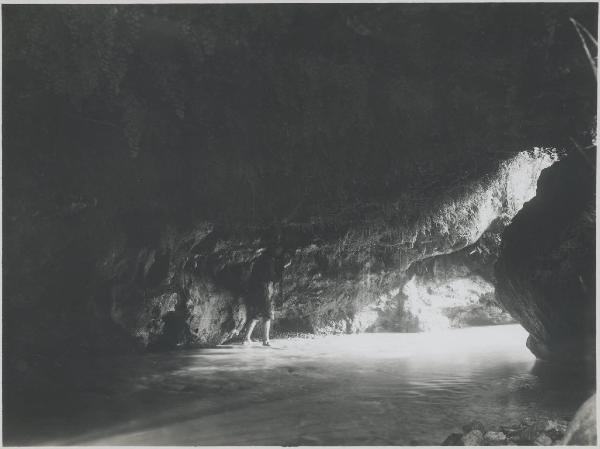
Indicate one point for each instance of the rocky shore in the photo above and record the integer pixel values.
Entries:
(529, 432)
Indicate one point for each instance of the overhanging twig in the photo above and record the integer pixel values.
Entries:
(581, 29)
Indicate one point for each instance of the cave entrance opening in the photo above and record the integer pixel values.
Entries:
(442, 303)
(450, 283)
(448, 291)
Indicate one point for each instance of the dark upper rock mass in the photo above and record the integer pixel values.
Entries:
(546, 270)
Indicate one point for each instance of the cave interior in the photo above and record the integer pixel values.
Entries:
(425, 168)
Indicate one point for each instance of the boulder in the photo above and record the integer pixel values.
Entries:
(582, 429)
(473, 438)
(511, 430)
(474, 425)
(543, 440)
(558, 425)
(527, 421)
(528, 434)
(530, 431)
(494, 438)
(545, 275)
(454, 439)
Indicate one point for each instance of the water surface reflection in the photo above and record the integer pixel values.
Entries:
(351, 390)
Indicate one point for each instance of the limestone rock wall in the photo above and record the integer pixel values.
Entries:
(152, 280)
(188, 286)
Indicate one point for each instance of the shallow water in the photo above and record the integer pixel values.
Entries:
(368, 389)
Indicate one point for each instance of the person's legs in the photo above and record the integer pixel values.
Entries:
(266, 340)
(251, 327)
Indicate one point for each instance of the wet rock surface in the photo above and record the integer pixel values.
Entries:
(495, 438)
(474, 425)
(454, 439)
(528, 432)
(582, 430)
(546, 270)
(472, 438)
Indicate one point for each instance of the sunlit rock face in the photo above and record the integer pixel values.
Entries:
(546, 270)
(455, 289)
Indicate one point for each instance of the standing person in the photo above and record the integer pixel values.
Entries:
(264, 284)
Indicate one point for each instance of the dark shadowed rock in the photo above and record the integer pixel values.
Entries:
(511, 429)
(454, 439)
(528, 421)
(532, 429)
(582, 429)
(546, 270)
(474, 425)
(529, 432)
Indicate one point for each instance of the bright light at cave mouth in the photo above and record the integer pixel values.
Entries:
(445, 301)
(430, 301)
